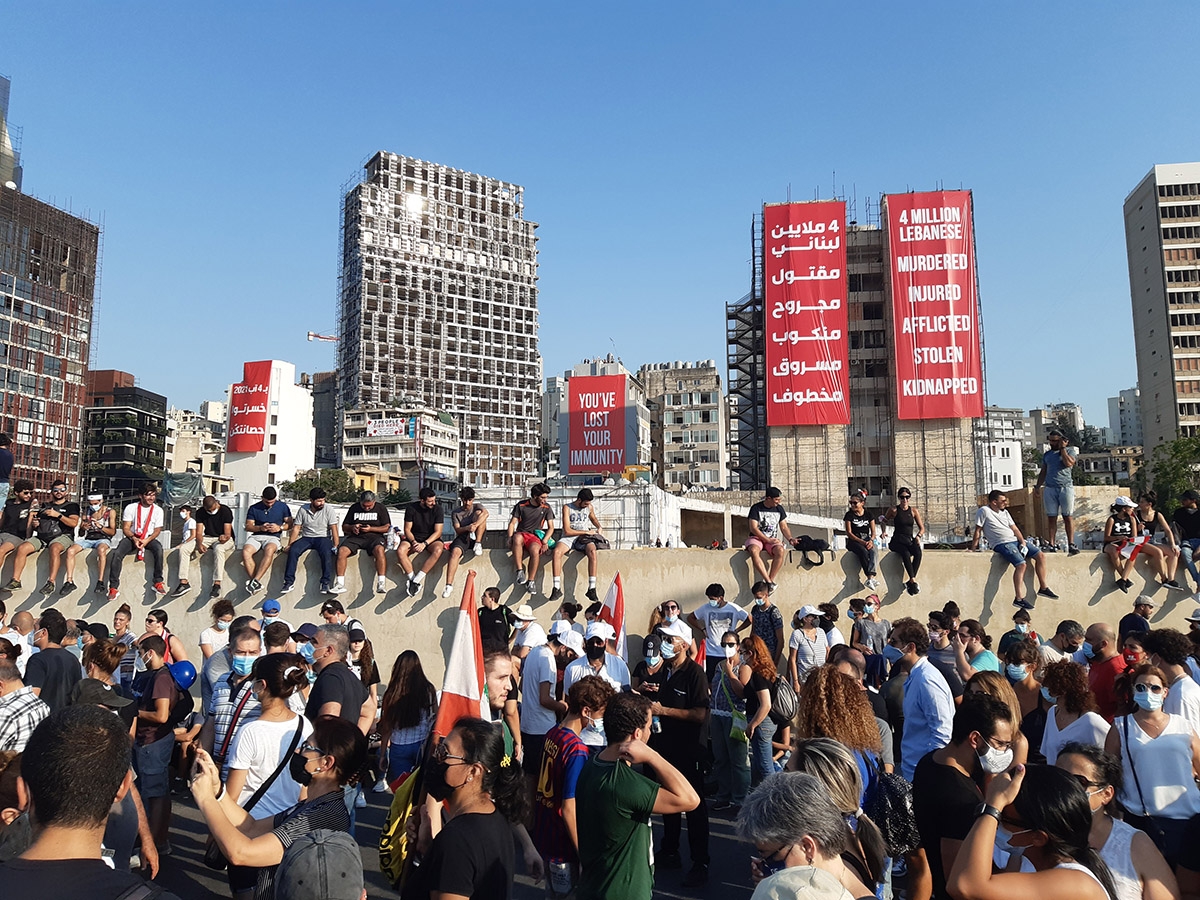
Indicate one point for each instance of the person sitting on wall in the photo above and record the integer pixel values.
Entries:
(994, 522)
(580, 531)
(529, 529)
(141, 524)
(365, 527)
(768, 520)
(266, 523)
(469, 522)
(423, 522)
(99, 528)
(54, 527)
(213, 533)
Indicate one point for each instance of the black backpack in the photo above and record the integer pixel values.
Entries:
(182, 707)
(807, 544)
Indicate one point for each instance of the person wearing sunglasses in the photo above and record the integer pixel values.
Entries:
(54, 526)
(1138, 870)
(17, 519)
(333, 755)
(1160, 757)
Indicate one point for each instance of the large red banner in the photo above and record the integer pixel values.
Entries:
(596, 425)
(248, 406)
(935, 306)
(804, 290)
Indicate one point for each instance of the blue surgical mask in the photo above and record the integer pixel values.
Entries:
(868, 609)
(714, 601)
(1046, 694)
(1088, 650)
(270, 620)
(312, 676)
(653, 661)
(222, 625)
(1023, 627)
(306, 651)
(1148, 701)
(759, 601)
(242, 665)
(79, 642)
(671, 618)
(892, 654)
(1014, 672)
(667, 650)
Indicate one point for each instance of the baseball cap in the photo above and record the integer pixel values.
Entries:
(560, 626)
(774, 492)
(307, 631)
(1124, 501)
(599, 629)
(1144, 600)
(95, 496)
(524, 612)
(676, 629)
(1054, 432)
(270, 606)
(1190, 495)
(98, 630)
(651, 645)
(320, 865)
(808, 610)
(1194, 617)
(97, 693)
(572, 640)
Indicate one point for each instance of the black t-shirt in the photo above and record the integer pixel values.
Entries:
(337, 684)
(685, 688)
(66, 510)
(494, 624)
(67, 879)
(474, 856)
(651, 682)
(55, 671)
(878, 705)
(214, 522)
(753, 686)
(13, 520)
(859, 526)
(530, 518)
(944, 802)
(768, 519)
(372, 518)
(1188, 521)
(424, 520)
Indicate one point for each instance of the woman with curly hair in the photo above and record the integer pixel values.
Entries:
(1074, 716)
(996, 685)
(756, 691)
(834, 706)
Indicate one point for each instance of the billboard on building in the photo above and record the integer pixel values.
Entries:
(248, 409)
(404, 426)
(804, 292)
(598, 425)
(935, 305)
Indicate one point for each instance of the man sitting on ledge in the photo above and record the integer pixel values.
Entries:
(995, 523)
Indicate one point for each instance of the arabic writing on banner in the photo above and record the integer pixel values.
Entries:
(935, 306)
(248, 404)
(804, 253)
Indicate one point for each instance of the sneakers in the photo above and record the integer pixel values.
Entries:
(287, 588)
(215, 593)
(521, 578)
(1124, 585)
(381, 785)
(182, 589)
(337, 589)
(872, 583)
(13, 585)
(412, 587)
(697, 876)
(591, 595)
(1049, 548)
(556, 595)
(98, 589)
(1047, 593)
(1174, 585)
(113, 593)
(360, 801)
(324, 588)
(721, 806)
(381, 585)
(160, 588)
(478, 549)
(532, 587)
(67, 587)
(447, 591)
(253, 587)
(771, 587)
(913, 588)
(46, 589)
(1072, 550)
(1022, 603)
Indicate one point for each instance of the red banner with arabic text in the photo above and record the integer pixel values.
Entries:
(935, 305)
(804, 275)
(248, 407)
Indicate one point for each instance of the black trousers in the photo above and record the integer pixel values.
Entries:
(154, 550)
(910, 552)
(697, 819)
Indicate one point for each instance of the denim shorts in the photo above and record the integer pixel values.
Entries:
(1059, 501)
(1010, 551)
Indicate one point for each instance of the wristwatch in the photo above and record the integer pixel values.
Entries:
(984, 810)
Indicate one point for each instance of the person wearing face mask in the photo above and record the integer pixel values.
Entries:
(807, 646)
(973, 649)
(928, 704)
(333, 755)
(650, 674)
(730, 744)
(529, 634)
(1160, 758)
(1138, 870)
(870, 631)
(1020, 669)
(828, 623)
(1022, 630)
(941, 651)
(555, 829)
(766, 620)
(668, 613)
(1073, 716)
(714, 618)
(263, 747)
(946, 794)
(1169, 650)
(996, 685)
(599, 662)
(540, 709)
(1133, 651)
(1105, 663)
(52, 672)
(270, 615)
(98, 527)
(232, 703)
(215, 638)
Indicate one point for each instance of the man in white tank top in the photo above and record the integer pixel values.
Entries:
(580, 529)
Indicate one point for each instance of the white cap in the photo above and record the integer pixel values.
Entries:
(677, 629)
(560, 626)
(95, 496)
(1124, 501)
(599, 629)
(524, 613)
(1144, 600)
(808, 610)
(571, 640)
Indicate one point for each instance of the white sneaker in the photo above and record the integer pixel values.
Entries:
(338, 589)
(360, 801)
(447, 591)
(381, 785)
(522, 577)
(872, 584)
(533, 589)
(381, 585)
(478, 549)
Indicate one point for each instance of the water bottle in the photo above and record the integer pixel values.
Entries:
(559, 875)
(655, 725)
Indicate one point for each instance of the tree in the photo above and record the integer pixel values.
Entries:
(339, 486)
(1175, 469)
(398, 497)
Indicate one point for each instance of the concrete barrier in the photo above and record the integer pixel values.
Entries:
(979, 582)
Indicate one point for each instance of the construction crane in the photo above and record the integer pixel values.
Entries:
(330, 338)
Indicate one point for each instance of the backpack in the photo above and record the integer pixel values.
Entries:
(807, 544)
(183, 706)
(784, 702)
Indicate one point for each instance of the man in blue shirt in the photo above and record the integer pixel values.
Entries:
(928, 703)
(1057, 488)
(266, 522)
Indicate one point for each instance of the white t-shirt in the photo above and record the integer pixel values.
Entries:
(716, 621)
(539, 668)
(1183, 699)
(1090, 728)
(189, 530)
(532, 636)
(809, 653)
(215, 638)
(258, 748)
(135, 514)
(997, 526)
(615, 672)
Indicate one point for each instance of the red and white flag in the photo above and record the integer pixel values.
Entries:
(614, 614)
(462, 688)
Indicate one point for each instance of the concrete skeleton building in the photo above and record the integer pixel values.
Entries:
(1162, 240)
(689, 426)
(325, 421)
(438, 301)
(1125, 418)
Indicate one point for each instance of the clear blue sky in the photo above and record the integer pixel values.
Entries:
(213, 140)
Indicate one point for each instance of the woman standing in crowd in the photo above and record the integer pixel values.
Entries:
(1073, 718)
(1160, 756)
(907, 535)
(1124, 543)
(1132, 650)
(101, 660)
(731, 759)
(1020, 663)
(216, 638)
(807, 647)
(833, 706)
(334, 755)
(472, 855)
(869, 634)
(567, 612)
(409, 709)
(156, 623)
(996, 685)
(828, 622)
(973, 649)
(122, 619)
(1138, 870)
(260, 746)
(362, 663)
(757, 693)
(766, 620)
(1152, 523)
(1046, 813)
(801, 841)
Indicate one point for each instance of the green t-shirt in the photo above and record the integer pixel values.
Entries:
(614, 837)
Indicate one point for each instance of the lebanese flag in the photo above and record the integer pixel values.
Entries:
(462, 688)
(614, 614)
(701, 653)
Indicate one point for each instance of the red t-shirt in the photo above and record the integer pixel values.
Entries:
(1101, 676)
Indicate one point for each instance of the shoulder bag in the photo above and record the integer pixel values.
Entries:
(213, 857)
(890, 807)
(737, 728)
(1157, 834)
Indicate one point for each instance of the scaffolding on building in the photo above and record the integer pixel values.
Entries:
(746, 359)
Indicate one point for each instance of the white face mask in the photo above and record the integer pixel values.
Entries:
(996, 761)
(183, 516)
(731, 652)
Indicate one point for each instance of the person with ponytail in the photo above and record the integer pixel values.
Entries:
(260, 746)
(484, 794)
(1047, 815)
(333, 755)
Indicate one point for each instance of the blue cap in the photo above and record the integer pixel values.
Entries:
(270, 606)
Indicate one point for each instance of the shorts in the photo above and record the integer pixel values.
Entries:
(773, 550)
(531, 538)
(92, 545)
(63, 540)
(368, 542)
(1059, 501)
(1010, 552)
(463, 543)
(258, 541)
(152, 762)
(10, 538)
(532, 746)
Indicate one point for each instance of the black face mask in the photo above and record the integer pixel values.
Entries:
(435, 780)
(594, 653)
(296, 769)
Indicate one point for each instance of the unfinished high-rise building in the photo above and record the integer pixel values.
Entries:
(438, 302)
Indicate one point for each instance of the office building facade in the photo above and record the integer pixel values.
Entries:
(1125, 418)
(689, 426)
(126, 438)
